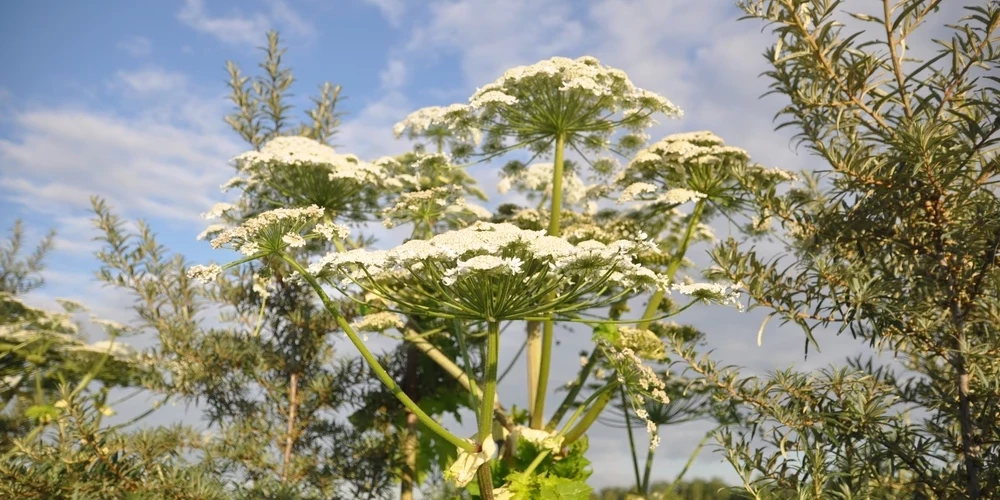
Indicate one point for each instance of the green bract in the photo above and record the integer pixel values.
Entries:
(495, 272)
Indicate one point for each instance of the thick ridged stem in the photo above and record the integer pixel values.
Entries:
(545, 361)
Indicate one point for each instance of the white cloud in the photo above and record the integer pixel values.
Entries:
(240, 29)
(394, 74)
(368, 133)
(150, 80)
(138, 46)
(163, 153)
(490, 36)
(391, 10)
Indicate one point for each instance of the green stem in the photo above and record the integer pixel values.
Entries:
(588, 418)
(545, 361)
(557, 182)
(488, 400)
(537, 461)
(675, 263)
(485, 477)
(645, 475)
(374, 364)
(631, 440)
(573, 392)
(687, 465)
(444, 362)
(538, 411)
(534, 343)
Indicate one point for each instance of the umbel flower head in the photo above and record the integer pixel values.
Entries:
(276, 230)
(415, 171)
(299, 172)
(494, 272)
(453, 126)
(440, 205)
(694, 165)
(580, 98)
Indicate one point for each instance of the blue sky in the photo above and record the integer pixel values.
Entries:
(125, 100)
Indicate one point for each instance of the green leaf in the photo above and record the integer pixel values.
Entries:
(563, 489)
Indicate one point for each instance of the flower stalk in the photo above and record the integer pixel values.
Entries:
(374, 364)
(545, 351)
(675, 263)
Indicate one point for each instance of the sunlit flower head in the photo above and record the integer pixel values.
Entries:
(444, 205)
(299, 171)
(580, 98)
(495, 272)
(270, 232)
(378, 322)
(452, 125)
(721, 293)
(686, 167)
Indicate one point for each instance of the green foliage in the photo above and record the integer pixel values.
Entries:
(695, 489)
(896, 243)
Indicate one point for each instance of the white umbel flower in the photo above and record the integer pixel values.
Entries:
(205, 274)
(504, 265)
(268, 231)
(378, 322)
(444, 120)
(723, 293)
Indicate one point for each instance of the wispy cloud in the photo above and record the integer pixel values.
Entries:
(163, 153)
(392, 10)
(138, 46)
(237, 28)
(394, 74)
(150, 80)
(489, 37)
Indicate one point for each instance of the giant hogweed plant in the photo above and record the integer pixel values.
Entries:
(461, 279)
(895, 242)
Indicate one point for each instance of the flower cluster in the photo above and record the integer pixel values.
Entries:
(296, 151)
(640, 382)
(585, 75)
(496, 272)
(696, 161)
(440, 122)
(726, 294)
(271, 231)
(642, 342)
(581, 99)
(430, 206)
(675, 196)
(299, 171)
(378, 322)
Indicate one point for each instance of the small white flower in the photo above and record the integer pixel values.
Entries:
(205, 274)
(378, 322)
(217, 210)
(294, 240)
(330, 230)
